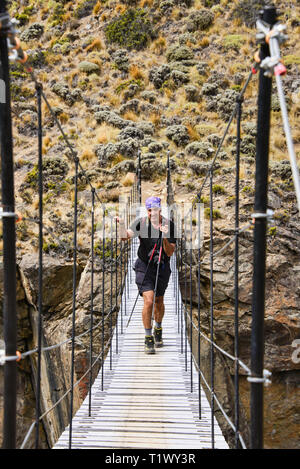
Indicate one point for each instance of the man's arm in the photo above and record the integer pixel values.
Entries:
(124, 234)
(169, 248)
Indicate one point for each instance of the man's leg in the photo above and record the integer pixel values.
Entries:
(159, 311)
(146, 317)
(147, 309)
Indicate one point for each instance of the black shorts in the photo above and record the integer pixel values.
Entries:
(147, 283)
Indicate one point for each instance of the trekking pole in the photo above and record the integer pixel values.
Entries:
(151, 257)
(157, 272)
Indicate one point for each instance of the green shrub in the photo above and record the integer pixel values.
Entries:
(57, 15)
(272, 231)
(199, 20)
(211, 3)
(19, 92)
(291, 60)
(125, 84)
(216, 213)
(22, 18)
(248, 190)
(233, 41)
(217, 189)
(54, 172)
(85, 8)
(131, 30)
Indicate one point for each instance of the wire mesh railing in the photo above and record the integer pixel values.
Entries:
(114, 270)
(257, 375)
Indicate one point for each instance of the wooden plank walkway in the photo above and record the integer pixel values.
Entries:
(146, 402)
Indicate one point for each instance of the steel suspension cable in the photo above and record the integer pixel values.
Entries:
(74, 301)
(92, 297)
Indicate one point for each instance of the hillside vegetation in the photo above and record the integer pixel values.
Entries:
(148, 75)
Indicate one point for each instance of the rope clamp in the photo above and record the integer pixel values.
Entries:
(265, 379)
(8, 214)
(268, 215)
(273, 66)
(2, 356)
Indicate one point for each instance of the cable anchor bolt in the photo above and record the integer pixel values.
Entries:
(268, 215)
(265, 379)
(272, 66)
(2, 352)
(8, 214)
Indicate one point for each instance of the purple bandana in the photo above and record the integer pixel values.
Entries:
(152, 202)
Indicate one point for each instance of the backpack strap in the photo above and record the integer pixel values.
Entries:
(143, 222)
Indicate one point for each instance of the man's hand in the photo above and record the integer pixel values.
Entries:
(124, 234)
(164, 229)
(169, 248)
(123, 231)
(120, 221)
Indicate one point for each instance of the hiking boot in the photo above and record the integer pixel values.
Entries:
(158, 337)
(149, 344)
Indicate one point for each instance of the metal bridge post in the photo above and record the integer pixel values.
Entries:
(139, 178)
(260, 208)
(236, 272)
(9, 249)
(40, 273)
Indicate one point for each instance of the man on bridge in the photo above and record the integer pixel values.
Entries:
(152, 267)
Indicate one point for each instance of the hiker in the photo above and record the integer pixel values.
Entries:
(154, 231)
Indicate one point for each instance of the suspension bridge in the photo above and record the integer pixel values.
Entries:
(164, 400)
(147, 400)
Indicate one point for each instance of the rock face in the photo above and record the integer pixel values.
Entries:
(282, 327)
(56, 294)
(57, 329)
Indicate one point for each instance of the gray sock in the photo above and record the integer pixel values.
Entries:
(148, 332)
(158, 325)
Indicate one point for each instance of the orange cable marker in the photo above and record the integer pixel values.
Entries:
(257, 61)
(269, 35)
(17, 44)
(29, 69)
(256, 57)
(24, 59)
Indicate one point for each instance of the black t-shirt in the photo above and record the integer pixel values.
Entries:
(143, 228)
